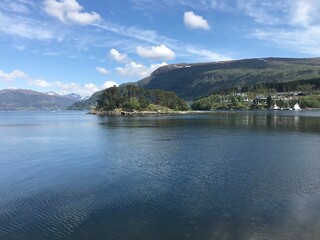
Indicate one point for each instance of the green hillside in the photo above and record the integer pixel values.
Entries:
(264, 95)
(192, 81)
(130, 97)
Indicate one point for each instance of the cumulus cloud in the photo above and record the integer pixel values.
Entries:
(109, 84)
(118, 57)
(39, 83)
(134, 69)
(8, 77)
(161, 52)
(69, 11)
(85, 90)
(193, 21)
(102, 70)
(91, 87)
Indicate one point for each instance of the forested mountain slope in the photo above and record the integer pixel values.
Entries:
(192, 81)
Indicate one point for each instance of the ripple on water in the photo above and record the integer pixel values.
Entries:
(219, 176)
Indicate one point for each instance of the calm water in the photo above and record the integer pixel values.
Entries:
(227, 175)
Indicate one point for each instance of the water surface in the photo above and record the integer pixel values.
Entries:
(226, 175)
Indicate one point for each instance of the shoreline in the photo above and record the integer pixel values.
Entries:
(119, 112)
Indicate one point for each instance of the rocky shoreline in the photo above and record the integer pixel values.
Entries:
(120, 112)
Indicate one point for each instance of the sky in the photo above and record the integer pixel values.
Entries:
(83, 46)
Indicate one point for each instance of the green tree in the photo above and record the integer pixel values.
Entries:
(269, 101)
(133, 103)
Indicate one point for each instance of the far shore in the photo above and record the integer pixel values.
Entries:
(120, 112)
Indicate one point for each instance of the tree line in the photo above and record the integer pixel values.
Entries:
(130, 97)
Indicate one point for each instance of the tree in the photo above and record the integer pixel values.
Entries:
(269, 101)
(131, 97)
(110, 99)
(133, 103)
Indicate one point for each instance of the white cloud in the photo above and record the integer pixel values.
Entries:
(83, 18)
(294, 13)
(223, 5)
(148, 36)
(69, 11)
(109, 84)
(162, 5)
(263, 12)
(194, 21)
(84, 90)
(118, 57)
(160, 52)
(102, 70)
(14, 7)
(134, 69)
(39, 83)
(69, 87)
(25, 28)
(293, 25)
(152, 37)
(305, 40)
(58, 86)
(304, 13)
(90, 87)
(8, 77)
(207, 55)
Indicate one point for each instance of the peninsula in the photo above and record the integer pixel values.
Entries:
(129, 100)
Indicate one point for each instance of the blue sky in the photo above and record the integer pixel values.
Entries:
(86, 45)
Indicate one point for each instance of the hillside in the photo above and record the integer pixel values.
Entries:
(22, 99)
(89, 103)
(130, 98)
(192, 81)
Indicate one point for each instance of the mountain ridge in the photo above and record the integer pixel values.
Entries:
(195, 80)
(26, 99)
(192, 81)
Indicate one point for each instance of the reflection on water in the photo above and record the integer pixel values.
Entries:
(268, 120)
(226, 175)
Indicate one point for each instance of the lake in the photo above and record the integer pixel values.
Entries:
(224, 175)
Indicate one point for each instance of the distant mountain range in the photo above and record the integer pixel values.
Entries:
(23, 99)
(188, 81)
(197, 80)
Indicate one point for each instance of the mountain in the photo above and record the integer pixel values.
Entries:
(23, 99)
(88, 103)
(192, 81)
